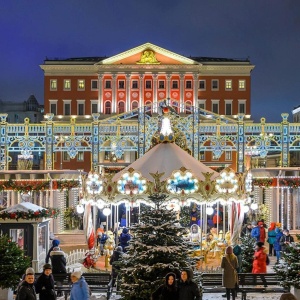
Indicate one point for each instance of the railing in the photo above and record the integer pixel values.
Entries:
(75, 259)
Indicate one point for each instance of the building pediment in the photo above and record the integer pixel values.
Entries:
(148, 54)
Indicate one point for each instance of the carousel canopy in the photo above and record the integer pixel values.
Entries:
(24, 207)
(167, 157)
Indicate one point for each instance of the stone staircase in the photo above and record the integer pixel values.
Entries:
(71, 240)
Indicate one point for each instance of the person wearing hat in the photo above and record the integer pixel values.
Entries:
(26, 290)
(80, 289)
(124, 239)
(260, 259)
(255, 233)
(55, 243)
(45, 284)
(116, 256)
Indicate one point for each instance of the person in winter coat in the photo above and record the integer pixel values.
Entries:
(58, 261)
(246, 231)
(237, 251)
(113, 259)
(271, 238)
(44, 285)
(187, 288)
(80, 288)
(26, 290)
(255, 232)
(229, 264)
(285, 240)
(260, 259)
(124, 238)
(262, 231)
(277, 246)
(55, 243)
(168, 290)
(101, 240)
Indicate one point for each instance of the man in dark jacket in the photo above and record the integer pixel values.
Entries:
(26, 289)
(285, 240)
(113, 259)
(188, 289)
(124, 239)
(55, 243)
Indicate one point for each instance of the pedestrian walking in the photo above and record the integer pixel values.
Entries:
(255, 232)
(26, 289)
(117, 254)
(124, 239)
(260, 259)
(168, 290)
(187, 288)
(272, 238)
(55, 243)
(80, 289)
(277, 246)
(286, 240)
(229, 264)
(44, 285)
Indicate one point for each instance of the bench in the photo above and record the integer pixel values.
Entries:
(263, 283)
(248, 283)
(98, 282)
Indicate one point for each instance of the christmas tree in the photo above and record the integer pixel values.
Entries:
(157, 247)
(247, 245)
(288, 270)
(13, 263)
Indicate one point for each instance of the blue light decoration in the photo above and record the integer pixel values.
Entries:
(131, 183)
(94, 184)
(182, 182)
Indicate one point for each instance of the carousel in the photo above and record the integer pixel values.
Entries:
(215, 200)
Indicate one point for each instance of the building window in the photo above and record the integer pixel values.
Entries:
(161, 84)
(242, 85)
(53, 107)
(202, 104)
(107, 108)
(242, 106)
(202, 85)
(67, 84)
(134, 84)
(108, 84)
(188, 107)
(215, 85)
(67, 108)
(148, 84)
(81, 84)
(202, 155)
(228, 107)
(134, 105)
(188, 84)
(80, 156)
(174, 84)
(228, 85)
(228, 155)
(53, 85)
(66, 156)
(80, 107)
(121, 107)
(94, 84)
(121, 84)
(215, 157)
(94, 106)
(215, 106)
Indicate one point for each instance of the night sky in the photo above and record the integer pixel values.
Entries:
(268, 32)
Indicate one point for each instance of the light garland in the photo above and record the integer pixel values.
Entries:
(131, 184)
(182, 182)
(227, 183)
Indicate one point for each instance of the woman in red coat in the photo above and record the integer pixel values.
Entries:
(260, 259)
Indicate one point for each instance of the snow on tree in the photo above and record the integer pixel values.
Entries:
(247, 245)
(157, 247)
(288, 268)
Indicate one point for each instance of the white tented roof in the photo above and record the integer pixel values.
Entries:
(166, 158)
(24, 206)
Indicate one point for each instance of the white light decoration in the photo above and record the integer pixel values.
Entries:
(246, 208)
(166, 128)
(80, 208)
(100, 204)
(209, 210)
(182, 182)
(248, 182)
(131, 183)
(94, 185)
(106, 211)
(254, 206)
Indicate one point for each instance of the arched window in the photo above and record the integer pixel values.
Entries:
(121, 107)
(134, 105)
(188, 107)
(107, 108)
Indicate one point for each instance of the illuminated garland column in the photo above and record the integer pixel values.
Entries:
(269, 197)
(141, 89)
(100, 93)
(285, 140)
(240, 144)
(288, 202)
(127, 104)
(49, 142)
(282, 207)
(168, 76)
(195, 89)
(114, 96)
(155, 92)
(181, 92)
(95, 141)
(3, 148)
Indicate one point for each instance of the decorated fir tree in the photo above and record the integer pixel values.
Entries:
(288, 269)
(156, 248)
(13, 263)
(247, 245)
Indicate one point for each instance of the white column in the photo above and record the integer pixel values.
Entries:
(141, 90)
(168, 76)
(181, 93)
(35, 262)
(114, 97)
(127, 104)
(155, 76)
(100, 94)
(195, 89)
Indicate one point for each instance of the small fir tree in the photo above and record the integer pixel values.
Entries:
(247, 245)
(157, 247)
(13, 263)
(288, 269)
